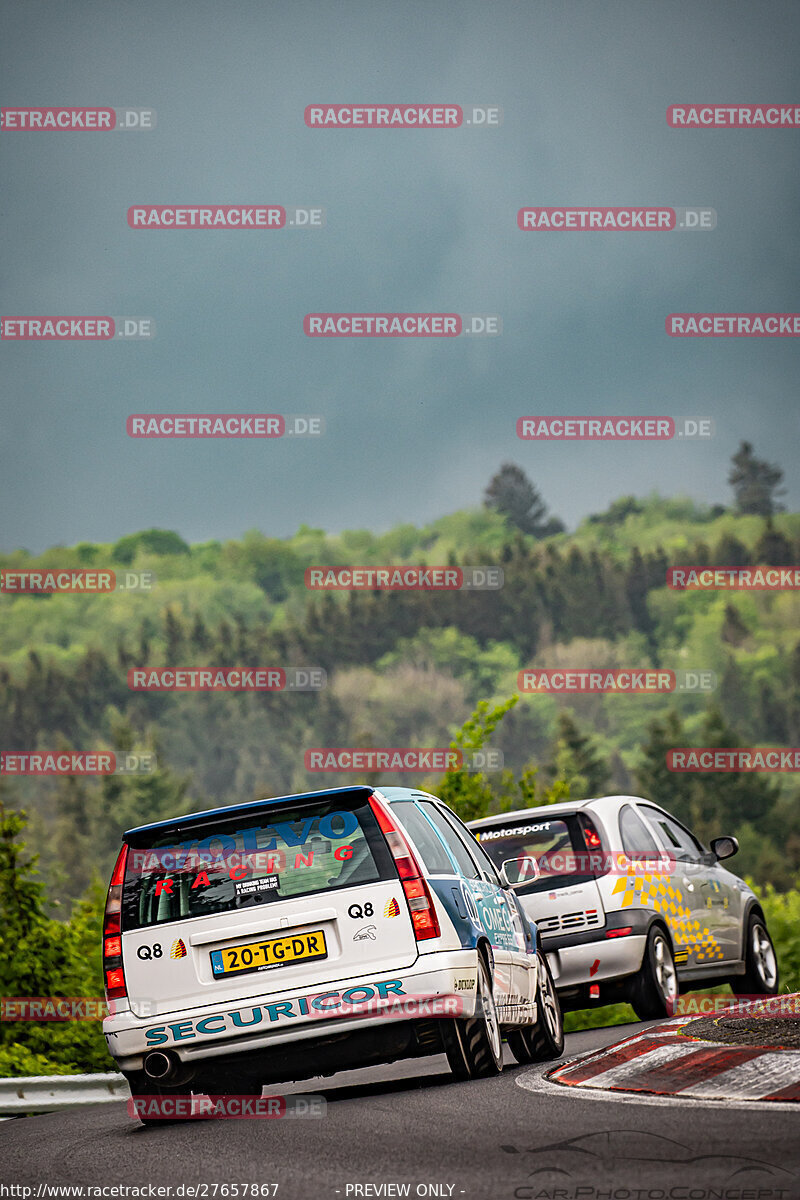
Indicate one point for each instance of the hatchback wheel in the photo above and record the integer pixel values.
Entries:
(761, 973)
(544, 1040)
(474, 1046)
(654, 989)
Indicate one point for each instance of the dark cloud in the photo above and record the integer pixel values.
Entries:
(416, 222)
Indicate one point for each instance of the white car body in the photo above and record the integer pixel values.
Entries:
(380, 984)
(594, 924)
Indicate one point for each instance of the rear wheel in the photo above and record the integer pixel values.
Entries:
(761, 973)
(474, 1047)
(544, 1040)
(654, 989)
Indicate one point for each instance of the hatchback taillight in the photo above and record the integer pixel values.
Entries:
(113, 971)
(590, 835)
(417, 893)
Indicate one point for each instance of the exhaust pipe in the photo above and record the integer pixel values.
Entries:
(159, 1066)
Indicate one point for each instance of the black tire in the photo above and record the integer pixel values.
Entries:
(761, 965)
(653, 991)
(543, 1041)
(474, 1046)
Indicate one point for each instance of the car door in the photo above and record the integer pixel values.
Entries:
(701, 892)
(522, 973)
(496, 908)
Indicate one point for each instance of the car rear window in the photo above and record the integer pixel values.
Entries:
(241, 862)
(429, 845)
(558, 844)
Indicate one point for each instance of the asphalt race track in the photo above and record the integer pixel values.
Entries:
(410, 1124)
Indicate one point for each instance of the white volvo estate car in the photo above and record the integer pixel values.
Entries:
(629, 905)
(298, 936)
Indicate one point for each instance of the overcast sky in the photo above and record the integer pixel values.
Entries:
(417, 221)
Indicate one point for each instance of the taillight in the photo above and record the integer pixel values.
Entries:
(112, 941)
(418, 897)
(626, 931)
(591, 837)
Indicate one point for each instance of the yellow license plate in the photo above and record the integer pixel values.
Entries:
(272, 952)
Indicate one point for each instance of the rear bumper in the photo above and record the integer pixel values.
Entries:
(441, 984)
(596, 961)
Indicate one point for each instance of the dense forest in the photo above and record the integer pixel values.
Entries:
(406, 669)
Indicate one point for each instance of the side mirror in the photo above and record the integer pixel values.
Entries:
(724, 847)
(516, 871)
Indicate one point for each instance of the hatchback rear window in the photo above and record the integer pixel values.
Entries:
(241, 862)
(566, 848)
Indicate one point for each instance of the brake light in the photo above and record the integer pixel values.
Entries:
(626, 931)
(417, 894)
(112, 941)
(590, 835)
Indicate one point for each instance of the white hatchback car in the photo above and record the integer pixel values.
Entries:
(629, 905)
(298, 936)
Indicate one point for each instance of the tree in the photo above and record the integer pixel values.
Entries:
(22, 906)
(472, 794)
(734, 629)
(512, 494)
(654, 779)
(618, 512)
(636, 588)
(152, 541)
(42, 957)
(755, 483)
(773, 549)
(577, 760)
(709, 802)
(174, 637)
(730, 552)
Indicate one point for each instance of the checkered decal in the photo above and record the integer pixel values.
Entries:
(664, 897)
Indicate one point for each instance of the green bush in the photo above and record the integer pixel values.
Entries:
(16, 1060)
(42, 957)
(782, 910)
